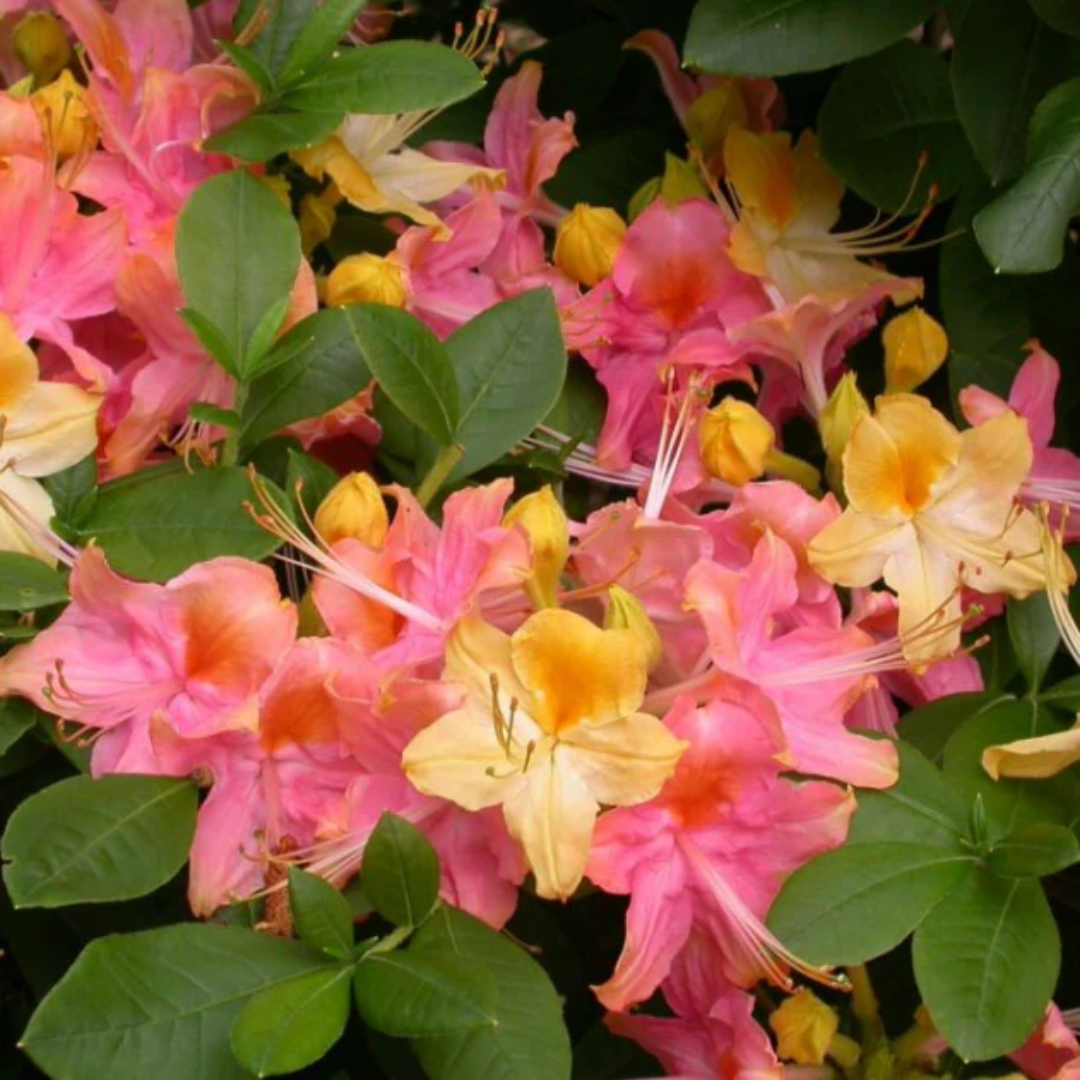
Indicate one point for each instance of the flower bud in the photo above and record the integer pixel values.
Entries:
(366, 278)
(842, 411)
(712, 115)
(736, 441)
(587, 241)
(625, 612)
(679, 183)
(804, 1027)
(42, 45)
(72, 130)
(545, 524)
(915, 347)
(279, 187)
(354, 509)
(317, 219)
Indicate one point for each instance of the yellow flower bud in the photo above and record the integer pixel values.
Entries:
(317, 219)
(736, 441)
(842, 411)
(367, 278)
(915, 347)
(625, 612)
(587, 241)
(279, 185)
(804, 1027)
(354, 509)
(546, 525)
(42, 45)
(71, 128)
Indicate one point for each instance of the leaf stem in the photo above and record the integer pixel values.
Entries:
(436, 476)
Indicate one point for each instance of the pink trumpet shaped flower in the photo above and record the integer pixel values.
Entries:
(709, 853)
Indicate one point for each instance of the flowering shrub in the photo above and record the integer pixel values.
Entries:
(535, 541)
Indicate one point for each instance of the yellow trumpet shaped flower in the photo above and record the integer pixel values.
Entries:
(549, 730)
(932, 509)
(46, 427)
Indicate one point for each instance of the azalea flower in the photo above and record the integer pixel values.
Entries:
(44, 427)
(549, 730)
(930, 510)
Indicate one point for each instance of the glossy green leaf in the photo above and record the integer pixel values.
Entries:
(920, 808)
(986, 961)
(855, 903)
(319, 36)
(400, 872)
(930, 727)
(308, 480)
(1023, 230)
(286, 20)
(881, 115)
(17, 717)
(390, 77)
(249, 63)
(529, 1040)
(782, 37)
(1063, 15)
(238, 254)
(322, 915)
(510, 363)
(425, 995)
(292, 1025)
(154, 526)
(411, 365)
(1064, 695)
(1034, 851)
(83, 840)
(73, 491)
(27, 583)
(263, 135)
(159, 1003)
(315, 367)
(1009, 804)
(1034, 636)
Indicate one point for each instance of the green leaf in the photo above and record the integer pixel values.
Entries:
(1023, 230)
(1034, 851)
(1009, 803)
(210, 338)
(287, 19)
(155, 526)
(322, 915)
(1034, 636)
(27, 584)
(205, 413)
(315, 367)
(411, 365)
(308, 480)
(292, 1025)
(529, 1040)
(249, 64)
(400, 872)
(73, 490)
(238, 254)
(87, 841)
(510, 363)
(782, 37)
(986, 961)
(263, 135)
(262, 337)
(390, 77)
(881, 115)
(856, 903)
(930, 727)
(425, 995)
(319, 36)
(17, 717)
(159, 1003)
(920, 808)
(1003, 63)
(1064, 695)
(1062, 15)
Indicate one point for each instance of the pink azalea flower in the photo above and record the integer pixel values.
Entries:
(400, 602)
(1055, 473)
(1052, 1052)
(59, 266)
(713, 1035)
(193, 652)
(671, 300)
(813, 673)
(711, 850)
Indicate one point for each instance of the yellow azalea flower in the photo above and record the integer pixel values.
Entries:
(1036, 758)
(548, 529)
(787, 203)
(805, 1028)
(46, 427)
(915, 347)
(550, 730)
(71, 129)
(932, 509)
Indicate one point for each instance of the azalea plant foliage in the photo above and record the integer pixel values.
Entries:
(537, 540)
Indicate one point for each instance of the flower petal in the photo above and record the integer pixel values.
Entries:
(1034, 759)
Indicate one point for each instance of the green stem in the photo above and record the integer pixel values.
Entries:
(230, 449)
(436, 476)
